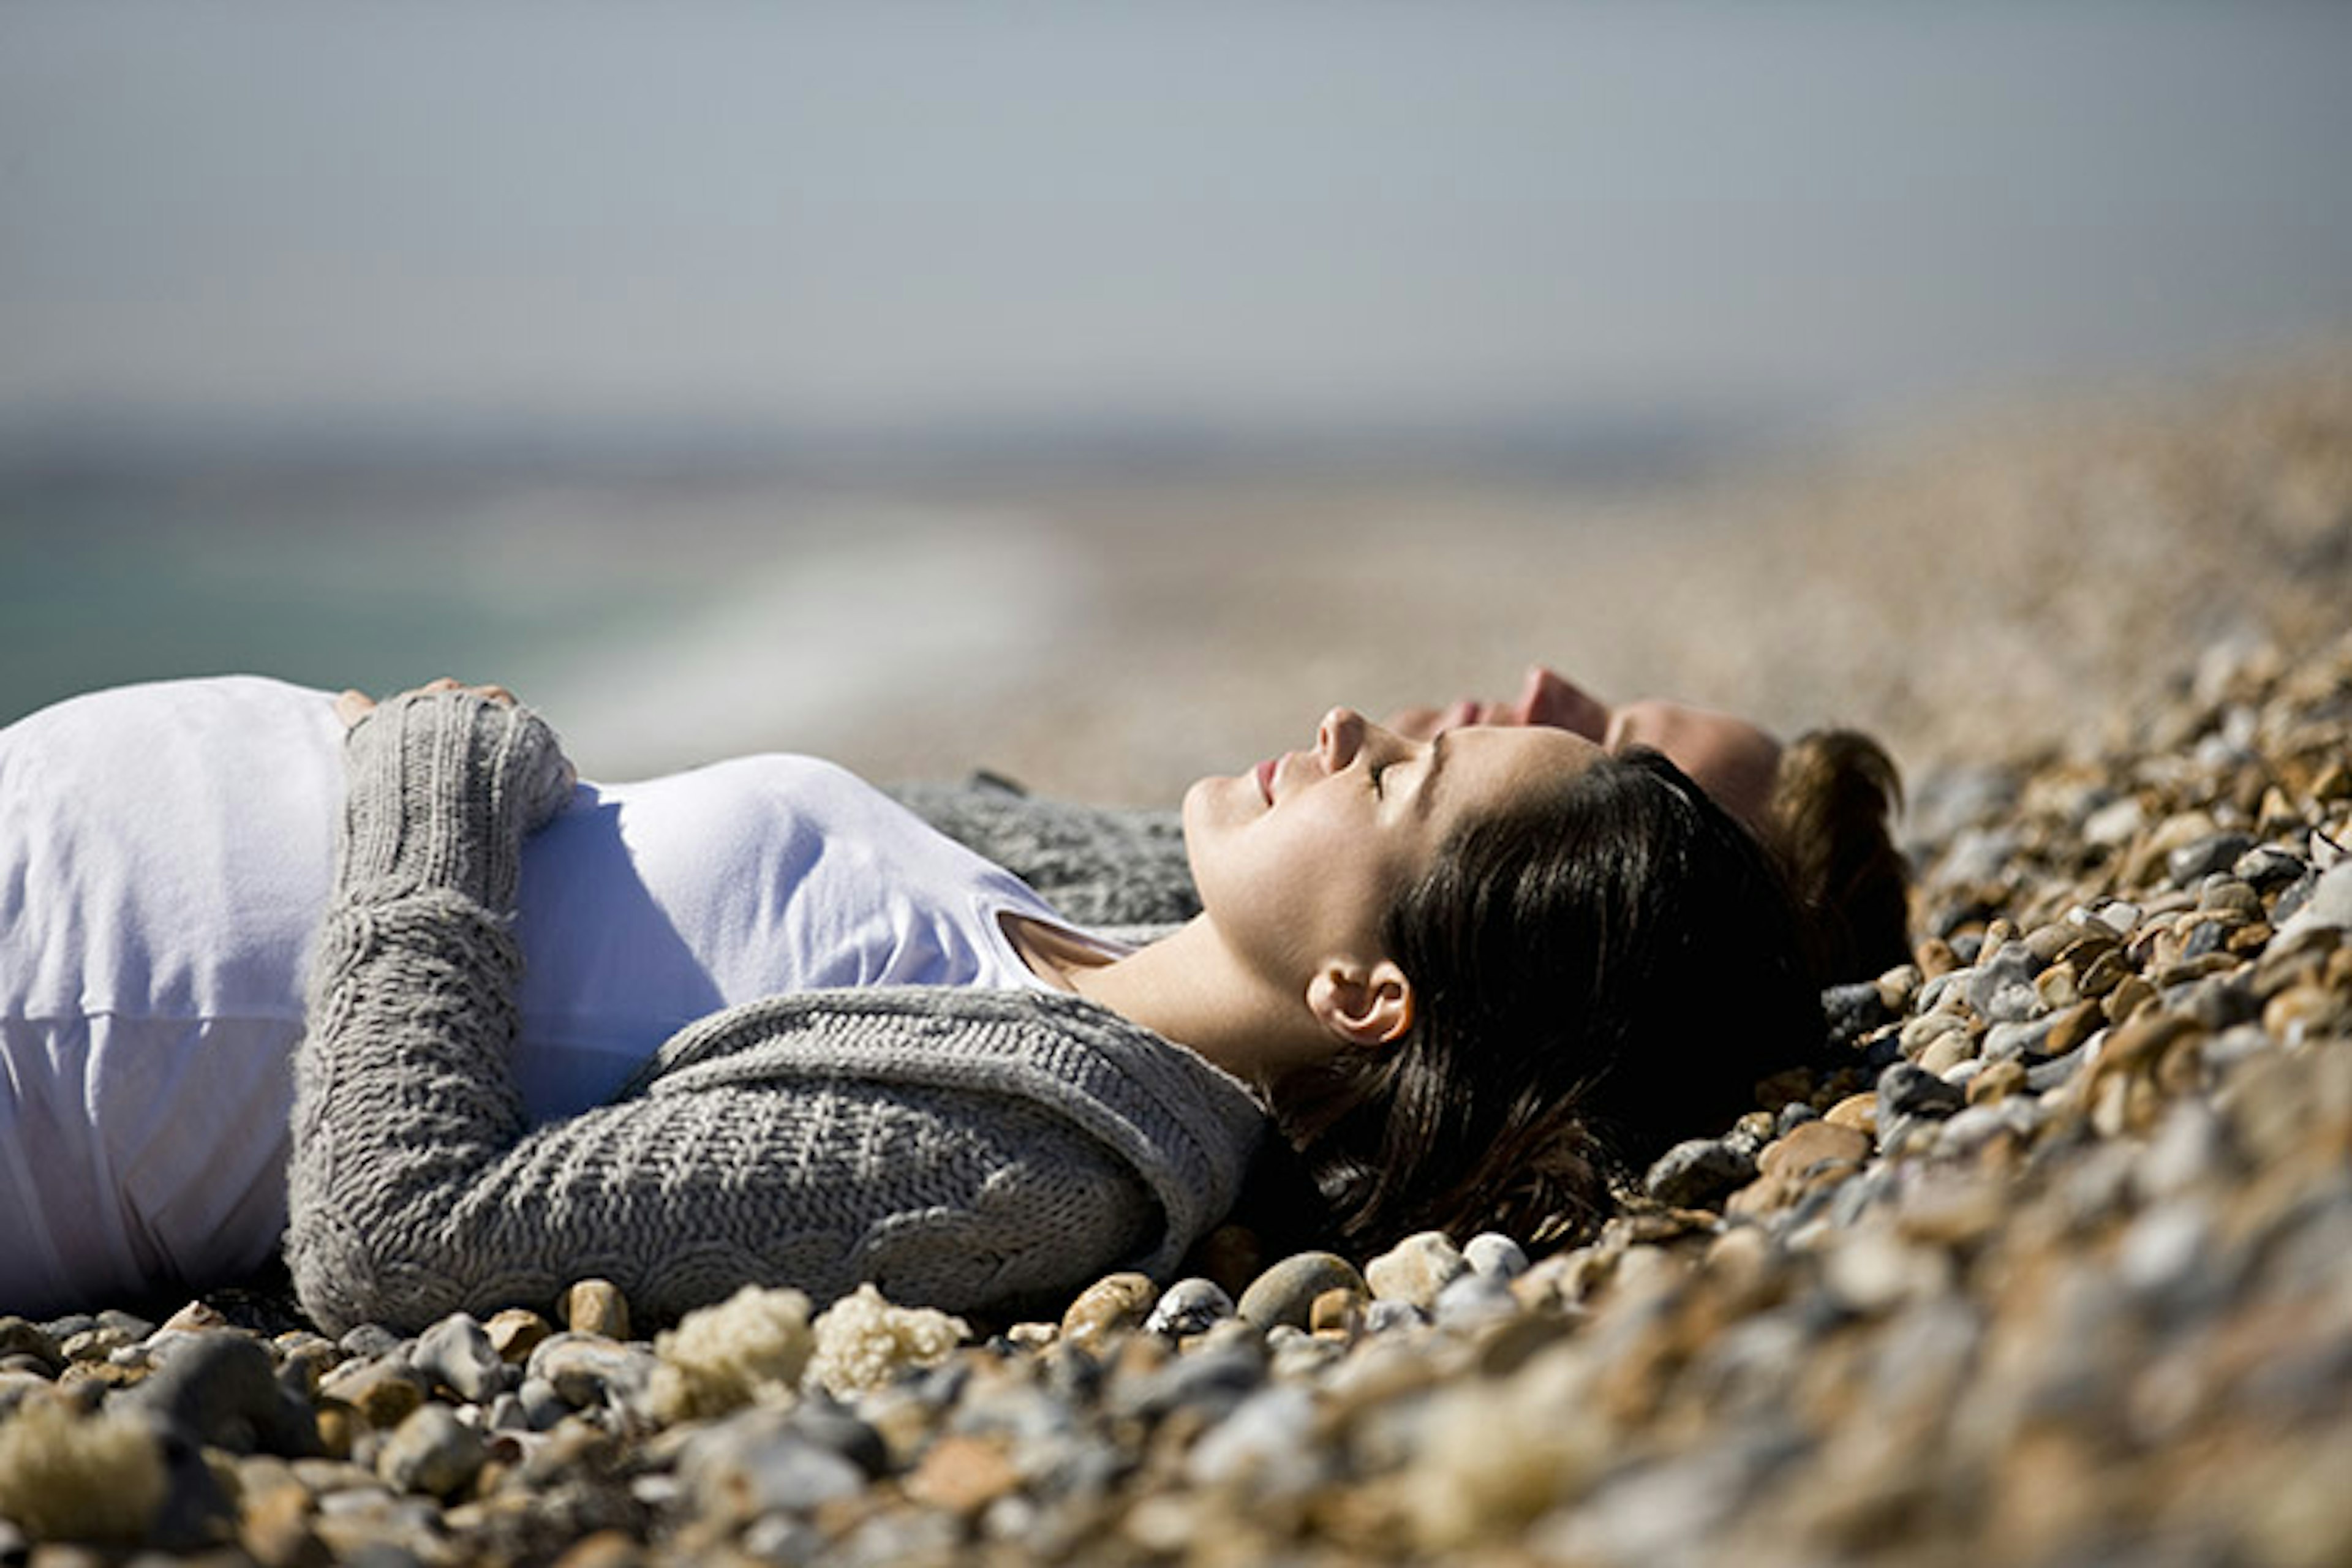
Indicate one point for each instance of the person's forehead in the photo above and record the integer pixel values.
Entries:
(1495, 754)
(1648, 721)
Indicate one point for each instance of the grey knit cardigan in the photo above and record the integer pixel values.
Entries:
(981, 1151)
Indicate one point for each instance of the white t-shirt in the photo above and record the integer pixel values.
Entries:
(165, 857)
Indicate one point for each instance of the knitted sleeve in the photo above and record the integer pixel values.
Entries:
(416, 1188)
(1098, 865)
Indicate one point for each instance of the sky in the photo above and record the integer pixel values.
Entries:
(308, 218)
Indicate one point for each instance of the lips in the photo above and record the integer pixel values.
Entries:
(1266, 779)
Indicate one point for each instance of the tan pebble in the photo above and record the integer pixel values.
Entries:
(1936, 957)
(606, 1549)
(2197, 968)
(2047, 942)
(595, 1307)
(2105, 972)
(2307, 1008)
(2301, 959)
(1032, 1336)
(2139, 1048)
(2072, 1027)
(1924, 1030)
(2089, 945)
(383, 1393)
(1756, 1124)
(1756, 1199)
(340, 1426)
(1946, 1052)
(864, 1340)
(515, 1333)
(1813, 1145)
(274, 1515)
(1416, 1268)
(1112, 1304)
(1997, 1082)
(1859, 1112)
(1898, 986)
(1339, 1311)
(69, 1475)
(2058, 985)
(1953, 1213)
(195, 1318)
(2249, 940)
(2127, 998)
(2276, 815)
(963, 1474)
(1138, 1354)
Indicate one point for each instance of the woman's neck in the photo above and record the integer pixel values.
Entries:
(1186, 987)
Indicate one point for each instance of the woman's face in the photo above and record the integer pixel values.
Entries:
(1298, 861)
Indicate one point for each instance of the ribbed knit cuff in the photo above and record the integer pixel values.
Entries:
(442, 787)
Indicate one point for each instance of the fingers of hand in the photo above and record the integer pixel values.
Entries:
(353, 705)
(449, 683)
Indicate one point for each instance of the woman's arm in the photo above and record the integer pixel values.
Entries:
(418, 1188)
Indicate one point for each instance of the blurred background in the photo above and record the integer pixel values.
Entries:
(1098, 393)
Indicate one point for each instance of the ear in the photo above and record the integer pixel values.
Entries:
(1364, 1006)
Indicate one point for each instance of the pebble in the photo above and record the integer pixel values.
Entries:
(220, 1390)
(595, 1307)
(1907, 1089)
(1494, 1254)
(1113, 1304)
(588, 1371)
(1699, 1173)
(1285, 1294)
(1812, 1147)
(457, 1354)
(1415, 1269)
(756, 1461)
(432, 1452)
(1190, 1306)
(515, 1332)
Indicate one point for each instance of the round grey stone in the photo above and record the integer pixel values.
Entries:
(433, 1452)
(2200, 857)
(1907, 1089)
(457, 1353)
(1492, 1252)
(1285, 1294)
(1697, 1173)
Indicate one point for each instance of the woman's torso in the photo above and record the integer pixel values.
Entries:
(165, 855)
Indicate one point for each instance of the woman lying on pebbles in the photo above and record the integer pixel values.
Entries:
(1465, 976)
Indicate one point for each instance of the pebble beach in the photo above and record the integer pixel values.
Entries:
(2052, 1263)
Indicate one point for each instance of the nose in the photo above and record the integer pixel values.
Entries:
(1551, 699)
(1345, 735)
(1338, 738)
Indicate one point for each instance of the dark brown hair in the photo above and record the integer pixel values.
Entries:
(1597, 971)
